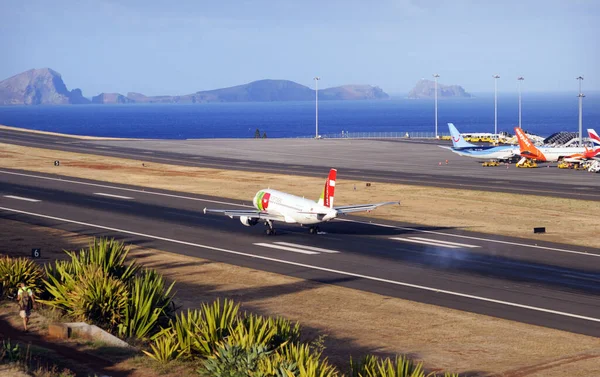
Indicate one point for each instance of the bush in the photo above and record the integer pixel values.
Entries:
(108, 255)
(14, 271)
(92, 296)
(401, 366)
(96, 285)
(149, 306)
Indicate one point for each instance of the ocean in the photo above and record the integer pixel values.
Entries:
(542, 114)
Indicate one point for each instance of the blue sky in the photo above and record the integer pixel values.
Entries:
(179, 47)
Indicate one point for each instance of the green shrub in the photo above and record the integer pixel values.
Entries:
(401, 366)
(235, 361)
(14, 271)
(183, 329)
(164, 348)
(99, 298)
(108, 255)
(309, 362)
(216, 323)
(92, 296)
(10, 353)
(149, 306)
(270, 332)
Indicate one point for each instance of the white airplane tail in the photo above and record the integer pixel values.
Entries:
(457, 140)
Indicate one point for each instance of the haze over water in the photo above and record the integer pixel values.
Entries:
(543, 114)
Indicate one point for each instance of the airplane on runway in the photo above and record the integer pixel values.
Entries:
(464, 148)
(554, 154)
(272, 205)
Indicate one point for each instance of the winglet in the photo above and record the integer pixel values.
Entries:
(458, 141)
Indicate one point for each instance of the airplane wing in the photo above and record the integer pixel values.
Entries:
(342, 210)
(254, 214)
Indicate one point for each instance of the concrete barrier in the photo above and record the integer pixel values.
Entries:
(83, 330)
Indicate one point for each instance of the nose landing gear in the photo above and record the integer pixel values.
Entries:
(314, 230)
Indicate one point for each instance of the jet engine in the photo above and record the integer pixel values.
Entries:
(248, 221)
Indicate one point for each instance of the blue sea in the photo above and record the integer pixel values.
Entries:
(543, 114)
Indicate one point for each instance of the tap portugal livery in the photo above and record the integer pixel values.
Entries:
(553, 154)
(463, 148)
(272, 205)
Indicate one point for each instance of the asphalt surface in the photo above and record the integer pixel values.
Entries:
(534, 282)
(394, 161)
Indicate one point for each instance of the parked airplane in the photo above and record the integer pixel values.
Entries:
(464, 148)
(553, 154)
(272, 205)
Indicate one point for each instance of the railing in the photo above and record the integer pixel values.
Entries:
(378, 135)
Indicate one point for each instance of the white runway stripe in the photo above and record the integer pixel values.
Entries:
(113, 196)
(295, 250)
(425, 242)
(445, 242)
(319, 268)
(308, 247)
(21, 198)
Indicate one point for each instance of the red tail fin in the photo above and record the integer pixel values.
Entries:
(326, 198)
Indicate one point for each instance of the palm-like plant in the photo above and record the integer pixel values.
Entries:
(19, 270)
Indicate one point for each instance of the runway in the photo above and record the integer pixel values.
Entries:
(394, 161)
(539, 283)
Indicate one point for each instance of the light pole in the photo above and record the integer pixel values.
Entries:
(520, 78)
(316, 78)
(435, 77)
(580, 78)
(496, 77)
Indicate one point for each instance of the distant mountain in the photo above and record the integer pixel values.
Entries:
(268, 91)
(426, 89)
(38, 87)
(111, 98)
(45, 87)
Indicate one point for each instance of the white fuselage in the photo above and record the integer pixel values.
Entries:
(555, 154)
(292, 208)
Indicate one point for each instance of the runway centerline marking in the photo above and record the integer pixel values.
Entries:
(22, 198)
(425, 242)
(319, 249)
(114, 196)
(445, 242)
(294, 249)
(353, 221)
(304, 265)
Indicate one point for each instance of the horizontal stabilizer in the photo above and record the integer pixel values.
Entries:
(342, 210)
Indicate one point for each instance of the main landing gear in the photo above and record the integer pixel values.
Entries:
(314, 230)
(270, 231)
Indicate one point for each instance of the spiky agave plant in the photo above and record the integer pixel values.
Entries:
(216, 324)
(400, 366)
(164, 348)
(149, 306)
(99, 298)
(19, 270)
(309, 363)
(109, 255)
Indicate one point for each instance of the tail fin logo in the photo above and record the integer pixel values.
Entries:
(593, 136)
(327, 195)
